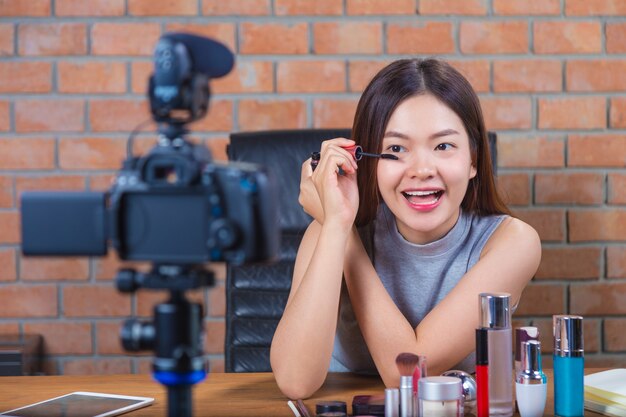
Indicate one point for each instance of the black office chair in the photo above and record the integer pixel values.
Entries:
(256, 294)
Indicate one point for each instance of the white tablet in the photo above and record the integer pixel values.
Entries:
(81, 404)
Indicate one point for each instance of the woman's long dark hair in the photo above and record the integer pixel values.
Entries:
(391, 86)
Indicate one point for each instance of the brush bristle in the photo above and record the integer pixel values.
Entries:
(406, 363)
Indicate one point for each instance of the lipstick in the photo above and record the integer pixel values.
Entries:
(482, 373)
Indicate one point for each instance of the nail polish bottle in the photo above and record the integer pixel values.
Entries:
(531, 386)
(495, 316)
(569, 365)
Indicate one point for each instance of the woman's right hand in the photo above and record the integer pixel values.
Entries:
(324, 193)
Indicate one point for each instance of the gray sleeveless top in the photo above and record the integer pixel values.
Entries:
(417, 277)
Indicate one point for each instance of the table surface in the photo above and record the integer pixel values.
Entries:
(221, 394)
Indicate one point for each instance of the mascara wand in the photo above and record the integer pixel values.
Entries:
(357, 153)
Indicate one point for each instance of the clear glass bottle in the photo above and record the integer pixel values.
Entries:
(495, 316)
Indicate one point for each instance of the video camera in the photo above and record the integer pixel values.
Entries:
(174, 208)
(173, 205)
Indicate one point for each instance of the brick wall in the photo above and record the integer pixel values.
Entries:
(550, 75)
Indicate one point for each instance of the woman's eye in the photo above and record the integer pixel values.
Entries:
(396, 148)
(443, 146)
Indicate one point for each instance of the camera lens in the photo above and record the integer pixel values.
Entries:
(137, 335)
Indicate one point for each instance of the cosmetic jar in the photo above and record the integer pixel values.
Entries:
(468, 383)
(440, 396)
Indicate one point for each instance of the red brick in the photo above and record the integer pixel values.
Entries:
(140, 74)
(9, 227)
(420, 38)
(28, 301)
(542, 300)
(52, 39)
(477, 73)
(101, 182)
(124, 38)
(222, 32)
(617, 188)
(608, 150)
(236, 7)
(6, 39)
(216, 365)
(56, 115)
(572, 113)
(617, 112)
(616, 261)
(217, 301)
(565, 37)
(330, 113)
(49, 183)
(615, 335)
(507, 112)
(595, 299)
(117, 115)
(307, 7)
(525, 7)
(91, 77)
(94, 301)
(7, 266)
(595, 7)
(108, 338)
(96, 367)
(163, 7)
(591, 335)
(273, 38)
(25, 77)
(106, 268)
(5, 116)
(272, 114)
(596, 225)
(89, 8)
(32, 8)
(215, 336)
(596, 75)
(615, 38)
(320, 76)
(570, 263)
(60, 338)
(523, 76)
(514, 188)
(219, 118)
(217, 146)
(378, 7)
(448, 7)
(27, 153)
(246, 77)
(45, 269)
(6, 191)
(9, 328)
(91, 153)
(549, 223)
(362, 72)
(347, 38)
(494, 37)
(531, 152)
(569, 188)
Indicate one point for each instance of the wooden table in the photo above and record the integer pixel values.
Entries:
(221, 394)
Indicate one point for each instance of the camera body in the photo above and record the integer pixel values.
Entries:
(173, 206)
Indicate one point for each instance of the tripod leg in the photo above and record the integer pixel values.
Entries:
(179, 401)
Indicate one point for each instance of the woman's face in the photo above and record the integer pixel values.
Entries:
(424, 188)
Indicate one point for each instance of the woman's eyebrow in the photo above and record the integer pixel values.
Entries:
(441, 133)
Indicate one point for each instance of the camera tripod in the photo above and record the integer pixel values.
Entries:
(175, 333)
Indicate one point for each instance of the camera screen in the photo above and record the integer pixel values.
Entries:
(168, 227)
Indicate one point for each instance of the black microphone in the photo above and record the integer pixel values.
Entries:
(209, 57)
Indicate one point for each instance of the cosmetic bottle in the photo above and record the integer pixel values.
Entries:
(482, 373)
(440, 396)
(523, 334)
(392, 402)
(569, 365)
(495, 316)
(531, 386)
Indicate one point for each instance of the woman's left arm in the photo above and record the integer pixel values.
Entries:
(446, 335)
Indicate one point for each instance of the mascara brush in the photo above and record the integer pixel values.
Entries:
(357, 153)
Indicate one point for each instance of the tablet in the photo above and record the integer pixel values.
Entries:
(81, 404)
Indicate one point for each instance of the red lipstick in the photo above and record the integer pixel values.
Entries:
(482, 373)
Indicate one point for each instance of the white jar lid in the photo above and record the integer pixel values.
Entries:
(440, 388)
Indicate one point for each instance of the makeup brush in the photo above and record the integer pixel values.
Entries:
(406, 363)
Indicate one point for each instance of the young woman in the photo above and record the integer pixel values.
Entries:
(400, 249)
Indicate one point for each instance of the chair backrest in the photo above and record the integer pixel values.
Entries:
(256, 294)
